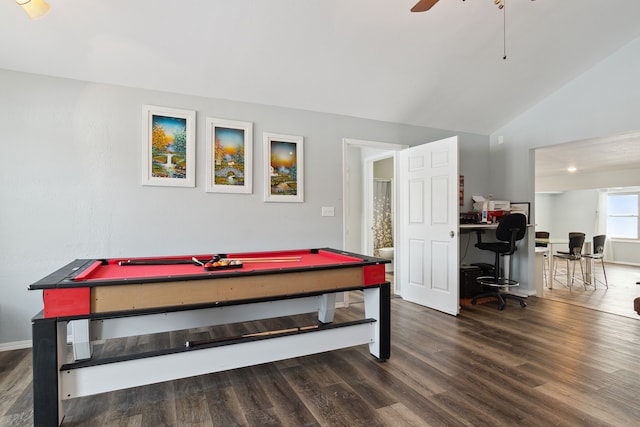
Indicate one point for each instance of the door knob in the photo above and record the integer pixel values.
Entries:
(452, 234)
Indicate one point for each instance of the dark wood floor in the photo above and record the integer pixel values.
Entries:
(551, 363)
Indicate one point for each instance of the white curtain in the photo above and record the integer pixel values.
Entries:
(601, 224)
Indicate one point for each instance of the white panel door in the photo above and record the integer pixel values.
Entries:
(428, 225)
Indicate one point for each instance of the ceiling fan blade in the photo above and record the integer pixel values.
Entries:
(423, 5)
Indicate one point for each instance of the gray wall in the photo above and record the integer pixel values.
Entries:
(562, 213)
(71, 183)
(604, 101)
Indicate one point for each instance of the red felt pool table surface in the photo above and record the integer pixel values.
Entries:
(98, 286)
(112, 270)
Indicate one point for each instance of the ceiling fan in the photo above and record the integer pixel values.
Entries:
(424, 5)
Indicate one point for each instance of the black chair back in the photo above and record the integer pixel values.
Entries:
(575, 244)
(542, 235)
(598, 244)
(515, 222)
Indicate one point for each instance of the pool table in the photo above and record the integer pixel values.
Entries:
(113, 298)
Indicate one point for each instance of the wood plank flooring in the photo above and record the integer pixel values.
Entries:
(617, 299)
(551, 363)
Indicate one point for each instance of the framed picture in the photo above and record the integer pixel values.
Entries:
(521, 207)
(229, 156)
(284, 168)
(168, 146)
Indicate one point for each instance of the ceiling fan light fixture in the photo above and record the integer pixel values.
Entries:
(34, 8)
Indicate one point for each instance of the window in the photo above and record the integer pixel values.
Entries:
(622, 215)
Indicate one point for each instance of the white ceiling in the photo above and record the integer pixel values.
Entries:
(364, 58)
(596, 155)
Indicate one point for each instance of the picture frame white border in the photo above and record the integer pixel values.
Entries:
(268, 137)
(148, 111)
(247, 128)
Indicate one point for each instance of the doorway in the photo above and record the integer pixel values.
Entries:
(364, 164)
(424, 238)
(602, 164)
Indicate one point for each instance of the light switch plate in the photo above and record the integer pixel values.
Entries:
(328, 211)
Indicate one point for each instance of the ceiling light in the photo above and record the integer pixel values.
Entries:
(571, 169)
(34, 8)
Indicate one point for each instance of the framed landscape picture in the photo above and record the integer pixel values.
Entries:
(284, 168)
(168, 146)
(229, 156)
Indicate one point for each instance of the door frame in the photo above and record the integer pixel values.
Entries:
(348, 197)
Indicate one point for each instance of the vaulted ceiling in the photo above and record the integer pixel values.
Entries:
(365, 58)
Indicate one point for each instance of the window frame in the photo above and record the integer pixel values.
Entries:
(636, 215)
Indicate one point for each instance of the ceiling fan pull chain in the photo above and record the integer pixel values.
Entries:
(504, 30)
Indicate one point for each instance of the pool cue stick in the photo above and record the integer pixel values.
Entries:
(191, 261)
(191, 344)
(269, 259)
(155, 262)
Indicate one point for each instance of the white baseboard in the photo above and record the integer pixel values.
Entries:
(16, 345)
(632, 264)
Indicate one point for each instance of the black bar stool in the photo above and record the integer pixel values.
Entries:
(511, 228)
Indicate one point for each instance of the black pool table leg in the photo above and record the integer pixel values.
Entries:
(377, 303)
(49, 340)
